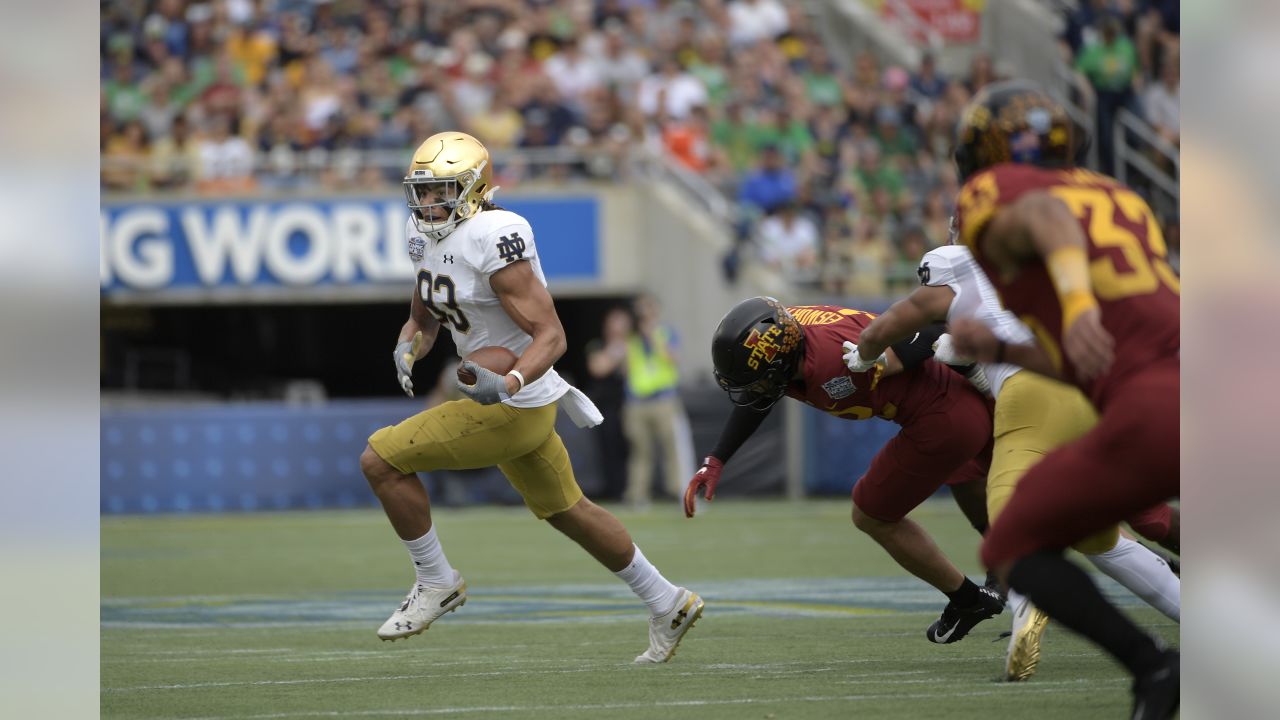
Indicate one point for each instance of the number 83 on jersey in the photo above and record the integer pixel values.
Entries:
(448, 313)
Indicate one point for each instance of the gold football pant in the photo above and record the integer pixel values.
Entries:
(1035, 415)
(464, 435)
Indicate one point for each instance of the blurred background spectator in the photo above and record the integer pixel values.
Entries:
(1160, 101)
(1110, 65)
(654, 418)
(788, 242)
(607, 367)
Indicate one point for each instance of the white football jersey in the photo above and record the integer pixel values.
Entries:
(954, 267)
(453, 282)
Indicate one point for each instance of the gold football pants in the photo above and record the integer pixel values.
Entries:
(1034, 415)
(464, 435)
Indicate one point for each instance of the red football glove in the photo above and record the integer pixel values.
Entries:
(708, 476)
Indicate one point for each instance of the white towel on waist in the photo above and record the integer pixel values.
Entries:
(581, 410)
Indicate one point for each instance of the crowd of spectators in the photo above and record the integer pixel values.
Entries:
(1127, 53)
(841, 173)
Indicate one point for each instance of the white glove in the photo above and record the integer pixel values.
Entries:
(489, 388)
(853, 360)
(944, 351)
(405, 355)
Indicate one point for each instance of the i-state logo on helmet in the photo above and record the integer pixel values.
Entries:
(763, 345)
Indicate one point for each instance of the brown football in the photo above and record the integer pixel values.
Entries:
(494, 357)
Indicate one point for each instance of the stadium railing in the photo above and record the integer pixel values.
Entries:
(1155, 161)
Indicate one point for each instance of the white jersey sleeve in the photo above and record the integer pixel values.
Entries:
(937, 269)
(504, 239)
(953, 266)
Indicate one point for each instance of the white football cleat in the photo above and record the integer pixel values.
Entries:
(1023, 656)
(666, 631)
(423, 606)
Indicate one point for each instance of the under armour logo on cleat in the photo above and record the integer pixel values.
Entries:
(679, 618)
(406, 626)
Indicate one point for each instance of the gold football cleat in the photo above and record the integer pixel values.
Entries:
(1029, 623)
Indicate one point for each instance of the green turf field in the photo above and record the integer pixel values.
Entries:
(273, 616)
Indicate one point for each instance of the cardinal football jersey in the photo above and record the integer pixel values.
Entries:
(830, 386)
(453, 282)
(1136, 288)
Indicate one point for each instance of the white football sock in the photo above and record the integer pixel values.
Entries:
(1146, 575)
(1015, 601)
(648, 584)
(429, 562)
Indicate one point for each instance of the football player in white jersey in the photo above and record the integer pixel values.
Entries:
(479, 276)
(1033, 415)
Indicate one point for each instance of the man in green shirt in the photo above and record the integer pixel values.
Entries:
(1109, 66)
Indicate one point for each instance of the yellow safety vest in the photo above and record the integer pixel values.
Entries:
(650, 373)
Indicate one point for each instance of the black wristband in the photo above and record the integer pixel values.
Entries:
(1000, 348)
(914, 351)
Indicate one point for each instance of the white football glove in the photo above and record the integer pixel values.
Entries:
(944, 351)
(854, 361)
(405, 355)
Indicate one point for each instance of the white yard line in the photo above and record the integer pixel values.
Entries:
(1037, 689)
(771, 668)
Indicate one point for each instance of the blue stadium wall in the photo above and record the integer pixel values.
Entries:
(219, 457)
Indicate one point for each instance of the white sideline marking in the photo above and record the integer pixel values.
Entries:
(781, 668)
(288, 655)
(1013, 687)
(376, 678)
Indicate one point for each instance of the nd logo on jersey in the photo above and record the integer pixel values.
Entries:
(511, 247)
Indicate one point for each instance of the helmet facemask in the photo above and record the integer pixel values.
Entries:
(438, 204)
(759, 395)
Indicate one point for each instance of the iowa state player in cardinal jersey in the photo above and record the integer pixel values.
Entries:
(762, 351)
(1079, 258)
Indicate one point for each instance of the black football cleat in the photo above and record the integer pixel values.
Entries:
(1155, 695)
(993, 584)
(956, 622)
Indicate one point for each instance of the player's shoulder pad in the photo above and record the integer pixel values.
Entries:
(938, 266)
(499, 238)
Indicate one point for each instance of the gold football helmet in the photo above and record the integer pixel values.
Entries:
(448, 181)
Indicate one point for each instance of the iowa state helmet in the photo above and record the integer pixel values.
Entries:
(1014, 121)
(756, 350)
